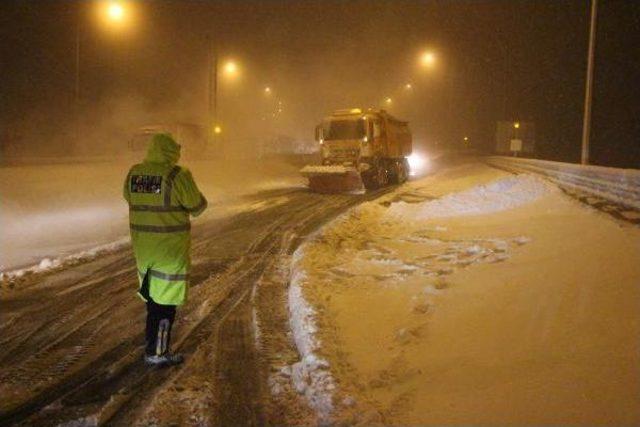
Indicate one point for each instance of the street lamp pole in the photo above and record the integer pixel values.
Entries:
(505, 78)
(77, 82)
(215, 85)
(212, 120)
(76, 93)
(586, 123)
(211, 95)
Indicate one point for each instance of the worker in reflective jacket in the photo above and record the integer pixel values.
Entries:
(162, 196)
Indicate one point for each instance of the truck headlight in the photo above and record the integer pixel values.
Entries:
(418, 163)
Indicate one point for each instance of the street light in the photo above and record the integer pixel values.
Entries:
(115, 11)
(388, 101)
(516, 125)
(427, 59)
(230, 68)
(267, 90)
(112, 12)
(408, 86)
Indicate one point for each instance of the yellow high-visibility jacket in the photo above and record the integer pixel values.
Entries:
(162, 196)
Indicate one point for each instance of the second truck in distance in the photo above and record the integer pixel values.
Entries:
(360, 148)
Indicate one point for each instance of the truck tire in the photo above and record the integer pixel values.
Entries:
(383, 176)
(394, 173)
(404, 165)
(407, 169)
(376, 177)
(399, 172)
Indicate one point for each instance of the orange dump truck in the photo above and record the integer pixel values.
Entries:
(360, 148)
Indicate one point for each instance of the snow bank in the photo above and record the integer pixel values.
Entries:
(310, 375)
(503, 194)
(543, 328)
(617, 185)
(456, 303)
(399, 249)
(47, 264)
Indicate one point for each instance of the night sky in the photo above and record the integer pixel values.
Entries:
(323, 55)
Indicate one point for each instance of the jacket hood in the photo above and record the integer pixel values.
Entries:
(163, 149)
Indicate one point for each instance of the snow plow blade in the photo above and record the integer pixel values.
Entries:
(332, 179)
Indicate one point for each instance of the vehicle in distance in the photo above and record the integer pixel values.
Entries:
(360, 148)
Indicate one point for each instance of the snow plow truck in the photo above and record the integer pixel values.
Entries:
(360, 148)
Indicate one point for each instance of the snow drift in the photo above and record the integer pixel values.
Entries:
(503, 194)
(380, 242)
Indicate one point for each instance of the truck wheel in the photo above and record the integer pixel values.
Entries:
(377, 177)
(395, 174)
(402, 173)
(407, 169)
(399, 172)
(369, 181)
(383, 176)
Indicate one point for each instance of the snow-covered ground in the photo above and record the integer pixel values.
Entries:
(49, 212)
(470, 296)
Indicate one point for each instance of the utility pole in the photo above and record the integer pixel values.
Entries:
(586, 123)
(209, 122)
(215, 85)
(505, 80)
(76, 94)
(212, 121)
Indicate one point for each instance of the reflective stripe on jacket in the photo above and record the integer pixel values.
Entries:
(162, 196)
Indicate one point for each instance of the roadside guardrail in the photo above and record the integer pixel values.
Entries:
(620, 186)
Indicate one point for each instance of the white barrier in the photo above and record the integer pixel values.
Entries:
(617, 185)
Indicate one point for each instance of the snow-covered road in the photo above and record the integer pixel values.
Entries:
(71, 341)
(472, 296)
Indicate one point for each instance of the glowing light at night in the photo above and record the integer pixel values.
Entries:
(115, 11)
(418, 163)
(427, 59)
(230, 68)
(115, 15)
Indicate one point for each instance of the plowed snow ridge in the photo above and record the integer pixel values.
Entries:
(503, 194)
(311, 375)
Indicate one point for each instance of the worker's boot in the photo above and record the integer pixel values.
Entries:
(167, 359)
(162, 356)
